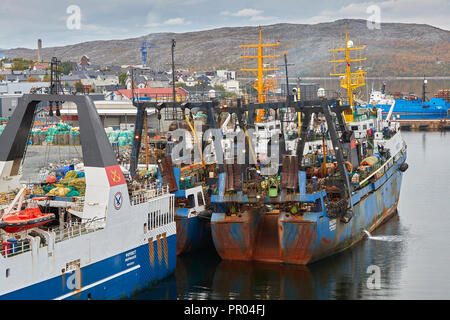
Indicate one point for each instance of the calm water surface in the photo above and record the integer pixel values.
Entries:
(411, 250)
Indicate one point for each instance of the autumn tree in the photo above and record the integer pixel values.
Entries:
(32, 79)
(78, 86)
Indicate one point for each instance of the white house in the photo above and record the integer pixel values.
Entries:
(232, 86)
(189, 81)
(225, 74)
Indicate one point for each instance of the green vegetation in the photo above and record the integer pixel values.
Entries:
(78, 86)
(122, 78)
(222, 92)
(65, 67)
(20, 64)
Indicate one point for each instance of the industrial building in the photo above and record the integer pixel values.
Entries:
(116, 114)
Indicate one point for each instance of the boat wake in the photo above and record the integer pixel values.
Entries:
(383, 238)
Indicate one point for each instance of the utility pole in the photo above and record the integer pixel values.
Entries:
(55, 85)
(288, 98)
(173, 71)
(287, 77)
(132, 85)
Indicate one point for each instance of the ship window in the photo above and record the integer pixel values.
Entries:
(191, 200)
(355, 128)
(7, 272)
(200, 198)
(364, 127)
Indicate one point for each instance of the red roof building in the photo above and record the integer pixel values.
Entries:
(154, 94)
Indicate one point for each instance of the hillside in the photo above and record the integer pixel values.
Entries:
(397, 49)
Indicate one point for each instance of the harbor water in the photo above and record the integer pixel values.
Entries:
(406, 258)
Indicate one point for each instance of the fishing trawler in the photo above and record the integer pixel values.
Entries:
(190, 179)
(324, 196)
(410, 107)
(110, 243)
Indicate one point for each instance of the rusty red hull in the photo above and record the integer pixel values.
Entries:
(303, 239)
(304, 247)
(234, 236)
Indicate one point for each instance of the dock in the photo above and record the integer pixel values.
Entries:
(425, 125)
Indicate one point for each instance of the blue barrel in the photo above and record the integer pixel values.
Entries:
(314, 179)
(13, 245)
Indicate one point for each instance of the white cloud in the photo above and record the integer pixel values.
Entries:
(152, 24)
(176, 21)
(253, 15)
(247, 13)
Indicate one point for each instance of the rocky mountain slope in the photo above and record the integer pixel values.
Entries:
(397, 49)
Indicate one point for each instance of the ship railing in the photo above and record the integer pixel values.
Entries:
(149, 192)
(158, 219)
(378, 169)
(9, 249)
(75, 229)
(78, 204)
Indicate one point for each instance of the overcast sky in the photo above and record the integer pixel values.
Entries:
(24, 21)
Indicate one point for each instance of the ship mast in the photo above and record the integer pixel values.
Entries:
(261, 85)
(349, 80)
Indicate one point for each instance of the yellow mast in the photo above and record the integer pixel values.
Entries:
(261, 85)
(349, 80)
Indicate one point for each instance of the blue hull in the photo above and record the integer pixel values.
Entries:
(316, 237)
(120, 276)
(436, 108)
(193, 233)
(303, 239)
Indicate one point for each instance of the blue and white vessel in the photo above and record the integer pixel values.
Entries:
(113, 242)
(410, 107)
